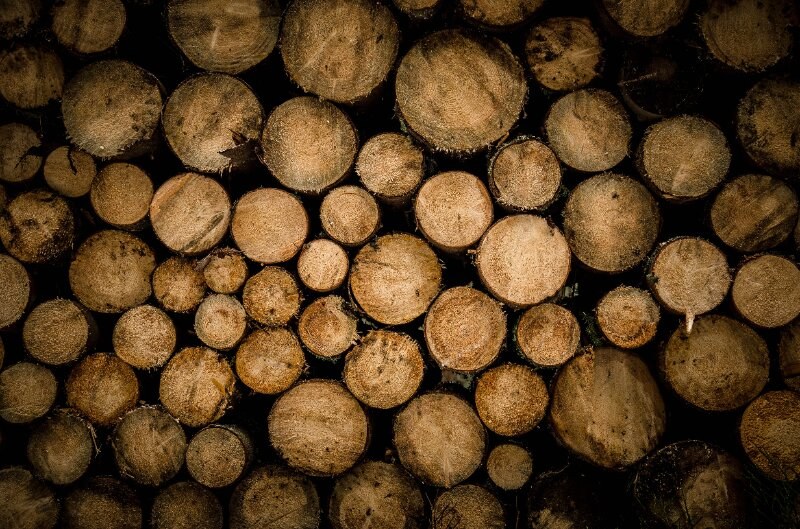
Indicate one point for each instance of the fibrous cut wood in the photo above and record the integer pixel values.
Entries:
(318, 427)
(467, 507)
(683, 157)
(126, 120)
(564, 53)
(225, 271)
(547, 335)
(69, 171)
(270, 360)
(272, 297)
(391, 166)
(464, 329)
(754, 212)
(789, 355)
(720, 365)
(346, 69)
(523, 260)
(111, 271)
(58, 331)
(446, 76)
(511, 399)
(417, 9)
(269, 225)
(385, 369)
(218, 455)
(27, 392)
(102, 388)
(121, 195)
(524, 175)
(220, 321)
(395, 278)
(212, 121)
(289, 497)
(37, 226)
(16, 292)
(453, 210)
(499, 13)
(186, 505)
(589, 130)
(607, 408)
(322, 265)
(102, 503)
(222, 36)
(770, 434)
(628, 317)
(350, 215)
(144, 337)
(61, 447)
(149, 446)
(326, 327)
(19, 157)
(178, 284)
(88, 26)
(30, 76)
(17, 16)
(766, 290)
(27, 502)
(196, 386)
(308, 144)
(611, 222)
(439, 439)
(509, 466)
(646, 18)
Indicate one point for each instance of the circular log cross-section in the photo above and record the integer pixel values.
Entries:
(30, 76)
(37, 227)
(524, 175)
(341, 50)
(467, 507)
(27, 392)
(511, 399)
(186, 505)
(221, 36)
(564, 53)
(103, 388)
(607, 408)
(211, 122)
(646, 18)
(447, 75)
(322, 265)
(16, 292)
(509, 466)
(58, 331)
(611, 222)
(270, 360)
(350, 215)
(318, 427)
(220, 321)
(69, 171)
(88, 26)
(766, 291)
(225, 271)
(121, 195)
(499, 13)
(789, 355)
(271, 297)
(628, 317)
(391, 166)
(327, 328)
(61, 447)
(19, 158)
(27, 502)
(128, 117)
(144, 337)
(770, 434)
(523, 260)
(17, 17)
(218, 455)
(289, 497)
(439, 439)
(464, 329)
(178, 285)
(102, 503)
(395, 278)
(547, 335)
(720, 365)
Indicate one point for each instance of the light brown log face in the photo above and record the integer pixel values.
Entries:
(766, 290)
(102, 388)
(524, 175)
(391, 166)
(511, 399)
(27, 392)
(16, 295)
(69, 171)
(218, 455)
(770, 434)
(58, 331)
(144, 337)
(121, 195)
(327, 327)
(220, 321)
(289, 497)
(270, 360)
(628, 317)
(509, 466)
(564, 53)
(350, 215)
(322, 265)
(548, 335)
(271, 297)
(225, 271)
(178, 284)
(468, 506)
(88, 26)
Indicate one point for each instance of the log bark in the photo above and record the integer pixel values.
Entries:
(102, 388)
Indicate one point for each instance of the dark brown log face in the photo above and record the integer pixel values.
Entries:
(27, 502)
(789, 354)
(61, 447)
(766, 290)
(37, 227)
(770, 434)
(17, 16)
(646, 18)
(468, 507)
(27, 392)
(30, 77)
(289, 497)
(103, 388)
(102, 503)
(186, 505)
(88, 26)
(524, 175)
(499, 13)
(391, 166)
(417, 9)
(564, 53)
(18, 159)
(218, 455)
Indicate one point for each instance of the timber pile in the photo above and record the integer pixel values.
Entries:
(399, 264)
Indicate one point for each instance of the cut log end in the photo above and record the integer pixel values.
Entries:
(391, 166)
(19, 160)
(37, 227)
(548, 335)
(269, 361)
(178, 285)
(272, 296)
(27, 392)
(499, 13)
(88, 26)
(770, 434)
(789, 355)
(511, 399)
(646, 18)
(16, 293)
(220, 321)
(30, 76)
(69, 171)
(218, 456)
(322, 265)
(102, 388)
(61, 447)
(144, 337)
(58, 331)
(628, 317)
(509, 466)
(564, 53)
(186, 505)
(766, 291)
(121, 195)
(27, 502)
(275, 489)
(102, 503)
(327, 328)
(350, 215)
(524, 175)
(225, 271)
(468, 506)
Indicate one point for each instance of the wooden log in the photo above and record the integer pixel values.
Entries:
(15, 296)
(350, 215)
(589, 130)
(58, 332)
(611, 222)
(643, 18)
(220, 321)
(683, 158)
(269, 225)
(30, 76)
(789, 355)
(186, 505)
(439, 439)
(322, 265)
(721, 365)
(766, 291)
(69, 171)
(524, 175)
(564, 53)
(770, 434)
(102, 503)
(178, 285)
(61, 447)
(511, 399)
(318, 427)
(196, 386)
(225, 271)
(547, 335)
(499, 14)
(88, 26)
(395, 278)
(384, 370)
(309, 144)
(19, 157)
(417, 9)
(223, 37)
(465, 330)
(149, 446)
(327, 327)
(190, 213)
(571, 499)
(754, 212)
(102, 388)
(349, 68)
(121, 195)
(218, 455)
(523, 260)
(376, 494)
(272, 297)
(468, 507)
(446, 75)
(144, 337)
(391, 166)
(37, 227)
(17, 17)
(211, 122)
(628, 317)
(27, 502)
(453, 210)
(289, 498)
(127, 121)
(270, 361)
(27, 392)
(614, 392)
(509, 466)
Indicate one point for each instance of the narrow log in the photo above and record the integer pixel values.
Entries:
(69, 171)
(88, 26)
(511, 399)
(509, 466)
(225, 271)
(766, 291)
(467, 507)
(27, 392)
(789, 355)
(770, 434)
(270, 361)
(61, 447)
(186, 505)
(322, 265)
(220, 321)
(326, 327)
(102, 503)
(547, 335)
(37, 227)
(15, 296)
(19, 158)
(644, 18)
(289, 497)
(102, 388)
(30, 76)
(628, 317)
(564, 53)
(144, 337)
(219, 455)
(178, 285)
(524, 175)
(391, 166)
(272, 297)
(58, 332)
(121, 195)
(27, 502)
